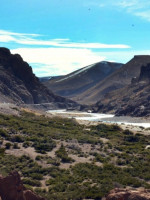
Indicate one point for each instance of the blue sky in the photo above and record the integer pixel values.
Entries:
(57, 37)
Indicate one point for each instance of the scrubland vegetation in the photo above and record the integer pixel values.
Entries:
(112, 157)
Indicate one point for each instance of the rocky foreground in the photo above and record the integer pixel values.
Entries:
(17, 191)
(128, 194)
(61, 159)
(12, 188)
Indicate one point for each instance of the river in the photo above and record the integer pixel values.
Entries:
(109, 118)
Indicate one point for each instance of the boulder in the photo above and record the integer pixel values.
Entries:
(128, 194)
(12, 188)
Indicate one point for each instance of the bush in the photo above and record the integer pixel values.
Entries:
(26, 144)
(2, 151)
(17, 138)
(3, 133)
(15, 146)
(8, 145)
(62, 153)
(31, 182)
(128, 132)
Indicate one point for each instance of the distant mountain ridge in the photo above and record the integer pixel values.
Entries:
(74, 84)
(119, 79)
(18, 84)
(132, 100)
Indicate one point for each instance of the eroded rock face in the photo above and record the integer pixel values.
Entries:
(145, 73)
(126, 194)
(18, 84)
(11, 188)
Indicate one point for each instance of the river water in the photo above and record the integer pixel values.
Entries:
(109, 118)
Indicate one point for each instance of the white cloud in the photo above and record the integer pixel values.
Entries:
(137, 7)
(144, 15)
(140, 8)
(128, 4)
(4, 32)
(122, 56)
(29, 39)
(57, 61)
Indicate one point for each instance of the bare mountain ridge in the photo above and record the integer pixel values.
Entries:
(119, 79)
(18, 84)
(132, 100)
(74, 84)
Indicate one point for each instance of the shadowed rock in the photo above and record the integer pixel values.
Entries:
(145, 73)
(12, 188)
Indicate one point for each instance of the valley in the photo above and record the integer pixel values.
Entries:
(66, 150)
(57, 157)
(75, 100)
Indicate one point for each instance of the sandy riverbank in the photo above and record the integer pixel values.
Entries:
(136, 126)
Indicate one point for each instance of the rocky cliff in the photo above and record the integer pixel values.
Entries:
(128, 194)
(12, 188)
(18, 84)
(145, 73)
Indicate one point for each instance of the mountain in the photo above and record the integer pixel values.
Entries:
(131, 100)
(74, 84)
(119, 79)
(18, 84)
(46, 78)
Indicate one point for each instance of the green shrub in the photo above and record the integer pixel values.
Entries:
(15, 146)
(8, 145)
(17, 138)
(62, 153)
(2, 151)
(3, 133)
(31, 182)
(26, 144)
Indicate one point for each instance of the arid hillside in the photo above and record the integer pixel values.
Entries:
(18, 84)
(73, 85)
(132, 100)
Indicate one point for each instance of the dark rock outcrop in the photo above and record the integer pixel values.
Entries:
(128, 194)
(11, 188)
(18, 84)
(145, 73)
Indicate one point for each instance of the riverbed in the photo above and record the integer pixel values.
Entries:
(100, 117)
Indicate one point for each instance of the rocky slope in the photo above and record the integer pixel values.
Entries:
(78, 82)
(119, 79)
(128, 194)
(131, 100)
(18, 84)
(12, 188)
